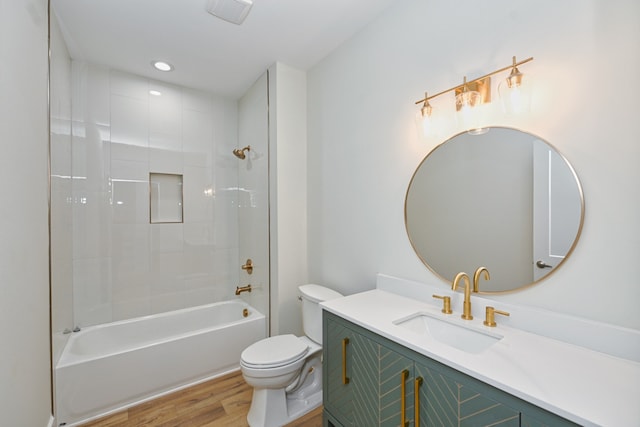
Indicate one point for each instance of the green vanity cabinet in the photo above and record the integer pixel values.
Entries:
(447, 401)
(337, 388)
(365, 381)
(381, 379)
(371, 381)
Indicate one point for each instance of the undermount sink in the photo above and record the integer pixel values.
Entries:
(457, 335)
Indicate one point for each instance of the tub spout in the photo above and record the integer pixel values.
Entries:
(241, 289)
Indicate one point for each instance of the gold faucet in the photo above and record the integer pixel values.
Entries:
(241, 289)
(466, 312)
(476, 277)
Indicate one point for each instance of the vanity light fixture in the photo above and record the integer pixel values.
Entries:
(155, 92)
(424, 119)
(162, 66)
(471, 94)
(515, 92)
(467, 102)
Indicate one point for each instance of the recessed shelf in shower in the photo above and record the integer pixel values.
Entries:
(165, 198)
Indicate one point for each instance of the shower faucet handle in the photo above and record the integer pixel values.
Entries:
(248, 266)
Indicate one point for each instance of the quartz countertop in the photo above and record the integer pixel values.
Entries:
(585, 386)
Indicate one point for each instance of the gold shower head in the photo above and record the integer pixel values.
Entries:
(239, 153)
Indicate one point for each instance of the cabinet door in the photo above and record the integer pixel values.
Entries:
(448, 402)
(338, 390)
(381, 384)
(542, 418)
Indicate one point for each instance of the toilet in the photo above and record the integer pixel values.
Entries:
(285, 371)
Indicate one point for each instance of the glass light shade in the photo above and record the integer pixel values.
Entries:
(515, 96)
(430, 122)
(424, 121)
(469, 114)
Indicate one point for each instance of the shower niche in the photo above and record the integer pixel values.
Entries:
(165, 198)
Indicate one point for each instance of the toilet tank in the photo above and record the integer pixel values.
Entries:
(312, 296)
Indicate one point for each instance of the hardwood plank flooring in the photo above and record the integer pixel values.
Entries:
(221, 402)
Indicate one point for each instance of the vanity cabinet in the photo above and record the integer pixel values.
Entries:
(364, 381)
(372, 381)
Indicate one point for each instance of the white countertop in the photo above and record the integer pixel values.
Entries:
(585, 386)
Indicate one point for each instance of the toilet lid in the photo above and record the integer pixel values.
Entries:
(274, 351)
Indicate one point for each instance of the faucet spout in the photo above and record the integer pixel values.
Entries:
(241, 289)
(466, 311)
(476, 277)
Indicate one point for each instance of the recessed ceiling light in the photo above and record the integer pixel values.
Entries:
(162, 66)
(155, 93)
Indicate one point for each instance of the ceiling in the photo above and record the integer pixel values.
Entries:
(207, 52)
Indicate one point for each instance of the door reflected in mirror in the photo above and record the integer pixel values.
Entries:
(506, 200)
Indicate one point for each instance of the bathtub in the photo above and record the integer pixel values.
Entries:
(107, 368)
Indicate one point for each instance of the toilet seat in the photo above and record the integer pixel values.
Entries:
(274, 352)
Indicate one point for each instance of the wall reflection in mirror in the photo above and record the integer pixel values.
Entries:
(506, 200)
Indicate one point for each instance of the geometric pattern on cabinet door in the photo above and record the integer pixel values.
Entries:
(340, 400)
(548, 420)
(445, 402)
(376, 383)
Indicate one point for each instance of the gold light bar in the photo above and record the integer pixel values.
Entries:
(474, 81)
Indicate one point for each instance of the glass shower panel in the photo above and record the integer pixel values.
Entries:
(120, 263)
(253, 194)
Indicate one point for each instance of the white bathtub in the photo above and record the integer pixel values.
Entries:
(109, 367)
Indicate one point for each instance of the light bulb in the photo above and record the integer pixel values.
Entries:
(515, 92)
(467, 104)
(424, 119)
(162, 66)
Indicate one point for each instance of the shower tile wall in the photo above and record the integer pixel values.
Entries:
(123, 266)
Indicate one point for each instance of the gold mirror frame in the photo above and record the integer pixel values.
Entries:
(461, 203)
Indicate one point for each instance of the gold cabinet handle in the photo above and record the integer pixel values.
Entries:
(345, 378)
(416, 399)
(403, 401)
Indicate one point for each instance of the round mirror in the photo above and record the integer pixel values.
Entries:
(505, 200)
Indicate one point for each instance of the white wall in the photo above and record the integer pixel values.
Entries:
(288, 177)
(25, 390)
(364, 148)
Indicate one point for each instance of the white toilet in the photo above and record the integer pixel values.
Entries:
(285, 371)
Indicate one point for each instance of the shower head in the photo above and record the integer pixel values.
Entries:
(239, 153)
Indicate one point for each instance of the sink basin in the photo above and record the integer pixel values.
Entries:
(457, 335)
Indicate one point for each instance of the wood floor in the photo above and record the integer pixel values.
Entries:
(220, 402)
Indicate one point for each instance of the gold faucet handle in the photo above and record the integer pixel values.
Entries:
(248, 266)
(446, 306)
(490, 316)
